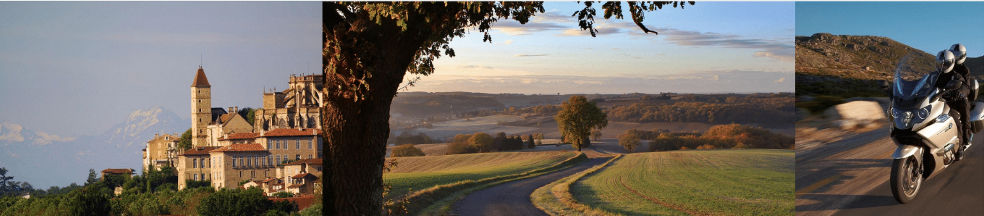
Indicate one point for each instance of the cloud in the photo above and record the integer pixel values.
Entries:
(514, 28)
(477, 67)
(508, 42)
(698, 82)
(11, 132)
(779, 50)
(43, 138)
(530, 55)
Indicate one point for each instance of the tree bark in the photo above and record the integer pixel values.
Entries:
(355, 123)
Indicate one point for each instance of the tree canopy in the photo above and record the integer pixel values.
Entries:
(576, 118)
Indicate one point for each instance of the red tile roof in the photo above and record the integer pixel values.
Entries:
(303, 175)
(200, 80)
(281, 132)
(199, 151)
(117, 171)
(240, 148)
(240, 136)
(312, 161)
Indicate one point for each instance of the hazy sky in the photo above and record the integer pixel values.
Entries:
(707, 47)
(77, 68)
(928, 26)
(74, 68)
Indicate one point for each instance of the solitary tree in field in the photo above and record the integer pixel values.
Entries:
(370, 47)
(628, 140)
(576, 119)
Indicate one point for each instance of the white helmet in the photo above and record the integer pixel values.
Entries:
(944, 61)
(959, 52)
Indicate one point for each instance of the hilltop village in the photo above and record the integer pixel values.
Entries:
(279, 152)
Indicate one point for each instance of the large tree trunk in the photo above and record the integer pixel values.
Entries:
(355, 117)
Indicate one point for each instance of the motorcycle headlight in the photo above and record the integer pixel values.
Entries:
(923, 113)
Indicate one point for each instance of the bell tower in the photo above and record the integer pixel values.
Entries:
(201, 108)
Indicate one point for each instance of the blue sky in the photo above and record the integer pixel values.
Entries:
(928, 26)
(707, 47)
(75, 68)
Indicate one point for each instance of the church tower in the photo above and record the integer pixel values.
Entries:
(201, 108)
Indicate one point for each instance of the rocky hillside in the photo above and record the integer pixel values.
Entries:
(847, 66)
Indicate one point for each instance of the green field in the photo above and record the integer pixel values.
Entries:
(719, 182)
(420, 173)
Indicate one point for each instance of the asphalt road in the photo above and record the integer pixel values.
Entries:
(513, 198)
(850, 177)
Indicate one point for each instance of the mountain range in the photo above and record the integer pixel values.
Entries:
(45, 160)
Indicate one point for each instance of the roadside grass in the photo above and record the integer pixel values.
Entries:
(556, 199)
(716, 182)
(420, 173)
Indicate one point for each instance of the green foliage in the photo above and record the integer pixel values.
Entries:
(761, 109)
(241, 202)
(184, 143)
(92, 200)
(628, 140)
(576, 119)
(249, 114)
(406, 150)
(189, 184)
(283, 194)
(313, 210)
(93, 177)
(614, 8)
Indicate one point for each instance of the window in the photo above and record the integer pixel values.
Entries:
(309, 144)
(278, 159)
(298, 157)
(233, 162)
(297, 145)
(269, 160)
(310, 156)
(241, 162)
(278, 143)
(201, 163)
(194, 163)
(249, 162)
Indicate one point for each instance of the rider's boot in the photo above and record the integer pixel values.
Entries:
(968, 140)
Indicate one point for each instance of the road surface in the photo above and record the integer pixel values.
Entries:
(513, 198)
(850, 177)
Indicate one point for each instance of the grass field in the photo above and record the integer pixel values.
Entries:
(720, 182)
(420, 173)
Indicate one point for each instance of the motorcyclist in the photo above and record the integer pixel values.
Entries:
(960, 55)
(955, 92)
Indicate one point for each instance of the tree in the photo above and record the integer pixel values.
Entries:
(596, 135)
(184, 143)
(460, 145)
(628, 140)
(406, 150)
(93, 178)
(482, 142)
(529, 142)
(369, 48)
(576, 118)
(249, 114)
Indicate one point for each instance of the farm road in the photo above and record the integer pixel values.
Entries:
(513, 198)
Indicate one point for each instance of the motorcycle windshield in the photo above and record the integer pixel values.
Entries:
(908, 97)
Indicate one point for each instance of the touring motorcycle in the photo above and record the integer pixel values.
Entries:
(925, 130)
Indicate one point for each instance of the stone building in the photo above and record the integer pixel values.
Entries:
(296, 107)
(194, 164)
(227, 150)
(160, 151)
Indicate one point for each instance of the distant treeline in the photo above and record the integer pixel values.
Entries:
(482, 142)
(766, 110)
(722, 137)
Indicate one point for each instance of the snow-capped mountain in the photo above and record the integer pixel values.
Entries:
(45, 159)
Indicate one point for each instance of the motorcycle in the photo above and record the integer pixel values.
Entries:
(926, 132)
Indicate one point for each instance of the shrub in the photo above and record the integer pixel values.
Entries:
(406, 150)
(197, 184)
(283, 194)
(482, 142)
(241, 202)
(628, 140)
(460, 145)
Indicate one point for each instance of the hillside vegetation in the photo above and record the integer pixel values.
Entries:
(851, 66)
(720, 182)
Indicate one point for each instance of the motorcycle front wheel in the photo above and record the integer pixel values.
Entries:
(906, 179)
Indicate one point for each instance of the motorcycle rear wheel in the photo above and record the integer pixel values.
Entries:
(906, 179)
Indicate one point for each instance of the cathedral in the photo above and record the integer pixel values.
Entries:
(280, 151)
